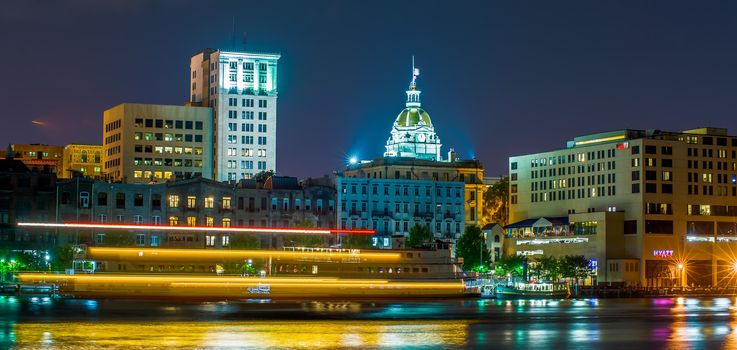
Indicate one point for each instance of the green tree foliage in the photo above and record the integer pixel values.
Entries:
(244, 241)
(418, 235)
(472, 249)
(61, 257)
(356, 241)
(512, 265)
(496, 202)
(304, 240)
(546, 268)
(576, 267)
(263, 176)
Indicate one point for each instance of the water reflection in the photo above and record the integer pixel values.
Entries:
(535, 324)
(297, 335)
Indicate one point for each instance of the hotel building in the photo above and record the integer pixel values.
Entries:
(650, 208)
(241, 89)
(145, 143)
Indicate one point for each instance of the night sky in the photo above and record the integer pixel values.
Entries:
(498, 78)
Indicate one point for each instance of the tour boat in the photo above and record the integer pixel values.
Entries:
(522, 290)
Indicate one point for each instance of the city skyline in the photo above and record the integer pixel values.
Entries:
(511, 66)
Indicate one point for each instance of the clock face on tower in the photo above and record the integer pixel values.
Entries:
(421, 137)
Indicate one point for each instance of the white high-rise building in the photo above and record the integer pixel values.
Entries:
(241, 89)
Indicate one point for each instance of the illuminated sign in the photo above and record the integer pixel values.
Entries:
(529, 252)
(663, 253)
(699, 239)
(623, 145)
(553, 240)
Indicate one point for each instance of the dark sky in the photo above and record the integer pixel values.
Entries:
(498, 78)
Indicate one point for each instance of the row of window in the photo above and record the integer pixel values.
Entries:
(168, 124)
(246, 127)
(592, 192)
(246, 102)
(246, 152)
(246, 164)
(149, 136)
(403, 190)
(197, 163)
(246, 140)
(399, 207)
(197, 151)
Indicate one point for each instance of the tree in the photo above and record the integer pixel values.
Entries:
(512, 265)
(356, 241)
(244, 241)
(418, 235)
(61, 257)
(496, 202)
(576, 267)
(263, 175)
(303, 240)
(547, 267)
(472, 248)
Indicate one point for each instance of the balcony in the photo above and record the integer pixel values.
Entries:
(381, 213)
(423, 215)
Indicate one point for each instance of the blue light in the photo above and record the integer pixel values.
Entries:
(734, 179)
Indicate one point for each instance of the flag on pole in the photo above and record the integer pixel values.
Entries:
(417, 72)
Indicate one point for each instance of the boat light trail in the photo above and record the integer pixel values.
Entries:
(211, 255)
(231, 229)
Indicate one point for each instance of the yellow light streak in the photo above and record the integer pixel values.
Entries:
(209, 255)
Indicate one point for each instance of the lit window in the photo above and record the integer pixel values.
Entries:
(209, 221)
(173, 201)
(191, 202)
(191, 221)
(226, 222)
(209, 203)
(173, 220)
(210, 240)
(226, 202)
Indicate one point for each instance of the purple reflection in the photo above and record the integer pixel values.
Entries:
(661, 333)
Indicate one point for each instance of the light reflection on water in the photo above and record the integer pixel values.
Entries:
(468, 323)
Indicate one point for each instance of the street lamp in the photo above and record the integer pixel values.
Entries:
(680, 275)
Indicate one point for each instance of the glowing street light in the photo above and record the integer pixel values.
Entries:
(353, 160)
(680, 266)
(735, 266)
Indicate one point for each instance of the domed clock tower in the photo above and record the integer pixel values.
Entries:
(413, 135)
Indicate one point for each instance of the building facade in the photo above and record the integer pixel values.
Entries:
(82, 159)
(241, 89)
(25, 195)
(677, 192)
(393, 206)
(38, 157)
(277, 202)
(153, 143)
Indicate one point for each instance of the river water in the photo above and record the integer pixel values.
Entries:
(681, 323)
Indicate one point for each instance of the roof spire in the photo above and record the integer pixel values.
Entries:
(413, 95)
